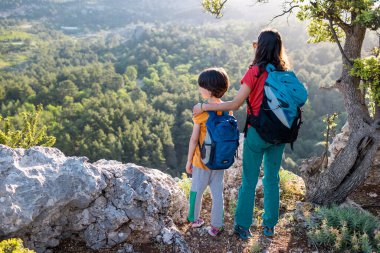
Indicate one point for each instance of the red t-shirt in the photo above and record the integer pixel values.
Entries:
(256, 84)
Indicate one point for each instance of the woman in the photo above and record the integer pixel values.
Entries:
(269, 49)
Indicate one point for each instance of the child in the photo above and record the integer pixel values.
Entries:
(213, 83)
(269, 50)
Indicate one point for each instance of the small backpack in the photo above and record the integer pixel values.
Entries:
(280, 116)
(221, 142)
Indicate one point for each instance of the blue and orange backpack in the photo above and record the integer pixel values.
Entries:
(219, 149)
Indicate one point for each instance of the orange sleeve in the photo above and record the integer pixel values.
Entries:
(201, 118)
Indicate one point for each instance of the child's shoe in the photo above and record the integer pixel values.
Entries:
(268, 231)
(214, 231)
(243, 233)
(198, 223)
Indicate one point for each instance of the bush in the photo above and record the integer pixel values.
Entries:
(345, 228)
(292, 187)
(185, 184)
(32, 132)
(232, 203)
(13, 245)
(256, 248)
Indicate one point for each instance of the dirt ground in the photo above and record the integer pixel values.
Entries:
(364, 196)
(290, 237)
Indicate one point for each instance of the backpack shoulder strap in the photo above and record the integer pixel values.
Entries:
(249, 106)
(211, 114)
(226, 113)
(247, 119)
(218, 113)
(270, 68)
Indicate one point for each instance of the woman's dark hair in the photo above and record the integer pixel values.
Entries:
(270, 50)
(214, 80)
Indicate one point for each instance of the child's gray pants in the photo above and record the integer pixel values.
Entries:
(200, 180)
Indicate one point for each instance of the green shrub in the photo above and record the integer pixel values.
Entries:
(185, 184)
(292, 187)
(258, 214)
(13, 245)
(232, 203)
(32, 132)
(344, 228)
(256, 248)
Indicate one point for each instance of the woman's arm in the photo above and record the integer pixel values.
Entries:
(233, 105)
(192, 145)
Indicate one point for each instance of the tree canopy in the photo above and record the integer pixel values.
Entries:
(131, 99)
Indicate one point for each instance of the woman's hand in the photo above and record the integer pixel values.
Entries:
(197, 109)
(189, 168)
(232, 105)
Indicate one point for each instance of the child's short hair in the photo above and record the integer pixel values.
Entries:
(214, 80)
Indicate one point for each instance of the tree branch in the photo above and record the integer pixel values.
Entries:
(338, 42)
(331, 87)
(284, 12)
(331, 13)
(214, 7)
(342, 24)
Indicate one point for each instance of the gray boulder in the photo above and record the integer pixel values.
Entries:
(46, 197)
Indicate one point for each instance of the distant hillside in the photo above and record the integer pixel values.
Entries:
(105, 14)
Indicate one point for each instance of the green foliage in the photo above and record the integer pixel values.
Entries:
(13, 35)
(131, 101)
(232, 203)
(13, 245)
(214, 7)
(368, 70)
(331, 124)
(369, 18)
(319, 31)
(14, 45)
(32, 133)
(341, 12)
(185, 184)
(256, 248)
(258, 215)
(292, 187)
(344, 228)
(377, 240)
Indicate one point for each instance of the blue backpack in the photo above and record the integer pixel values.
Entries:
(280, 116)
(221, 142)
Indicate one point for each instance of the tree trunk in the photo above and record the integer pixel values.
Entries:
(353, 163)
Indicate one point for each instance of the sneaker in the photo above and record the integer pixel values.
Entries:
(198, 223)
(268, 231)
(214, 231)
(243, 233)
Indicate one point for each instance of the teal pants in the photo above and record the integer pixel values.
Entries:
(255, 149)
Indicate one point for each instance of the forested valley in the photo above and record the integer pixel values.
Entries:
(123, 88)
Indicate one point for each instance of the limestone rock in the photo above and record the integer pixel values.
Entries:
(171, 235)
(127, 248)
(167, 236)
(46, 197)
(339, 142)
